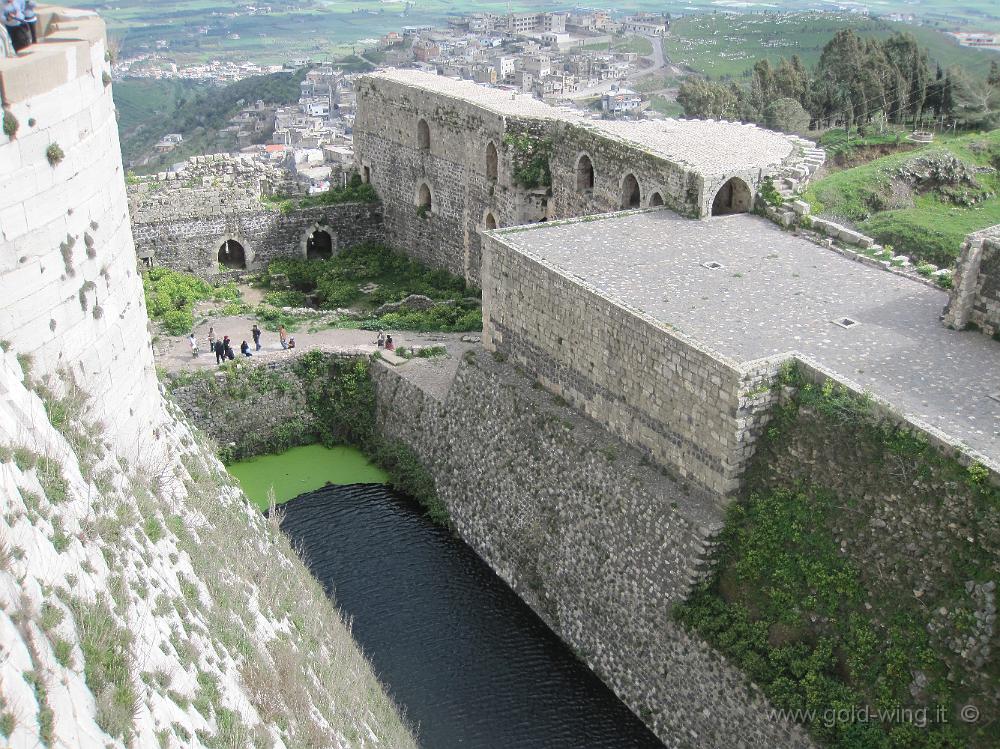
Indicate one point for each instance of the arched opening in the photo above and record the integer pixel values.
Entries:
(423, 136)
(319, 246)
(655, 199)
(492, 162)
(232, 256)
(732, 197)
(584, 174)
(490, 223)
(424, 198)
(630, 192)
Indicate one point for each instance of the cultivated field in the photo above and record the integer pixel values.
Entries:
(722, 45)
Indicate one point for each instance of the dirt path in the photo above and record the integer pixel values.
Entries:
(174, 353)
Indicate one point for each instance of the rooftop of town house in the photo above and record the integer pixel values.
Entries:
(62, 53)
(711, 147)
(774, 293)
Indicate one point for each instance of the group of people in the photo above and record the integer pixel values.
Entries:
(20, 19)
(223, 347)
(385, 341)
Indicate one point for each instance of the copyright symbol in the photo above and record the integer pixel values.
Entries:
(969, 713)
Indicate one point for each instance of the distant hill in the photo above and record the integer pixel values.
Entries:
(148, 110)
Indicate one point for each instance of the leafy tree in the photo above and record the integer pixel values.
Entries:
(707, 99)
(786, 115)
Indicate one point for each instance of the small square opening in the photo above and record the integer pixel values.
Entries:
(845, 322)
(713, 265)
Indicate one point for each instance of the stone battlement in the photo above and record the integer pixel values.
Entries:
(71, 45)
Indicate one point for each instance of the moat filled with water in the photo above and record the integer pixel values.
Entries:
(467, 661)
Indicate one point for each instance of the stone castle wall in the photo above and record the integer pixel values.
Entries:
(191, 244)
(455, 169)
(975, 295)
(589, 534)
(692, 410)
(463, 125)
(70, 295)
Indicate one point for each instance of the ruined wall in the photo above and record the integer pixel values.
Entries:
(691, 409)
(975, 295)
(595, 539)
(182, 226)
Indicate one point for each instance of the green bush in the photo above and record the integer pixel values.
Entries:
(337, 284)
(178, 321)
(54, 154)
(292, 298)
(171, 296)
(355, 191)
(10, 124)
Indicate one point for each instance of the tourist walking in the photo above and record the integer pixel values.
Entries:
(193, 343)
(31, 19)
(256, 337)
(220, 352)
(13, 21)
(211, 338)
(283, 336)
(245, 349)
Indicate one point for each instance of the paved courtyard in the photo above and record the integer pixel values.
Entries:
(777, 293)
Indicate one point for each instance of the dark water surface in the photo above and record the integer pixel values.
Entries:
(469, 662)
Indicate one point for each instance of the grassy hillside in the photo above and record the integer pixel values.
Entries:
(153, 109)
(928, 220)
(727, 45)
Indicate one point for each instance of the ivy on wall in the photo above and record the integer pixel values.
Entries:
(530, 156)
(858, 578)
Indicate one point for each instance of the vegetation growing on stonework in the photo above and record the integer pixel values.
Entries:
(364, 278)
(341, 395)
(171, 296)
(530, 159)
(355, 191)
(10, 124)
(863, 596)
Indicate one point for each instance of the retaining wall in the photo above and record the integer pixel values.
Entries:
(595, 539)
(692, 410)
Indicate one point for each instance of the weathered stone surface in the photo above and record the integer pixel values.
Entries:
(975, 294)
(415, 302)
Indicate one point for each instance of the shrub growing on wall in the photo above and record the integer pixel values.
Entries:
(10, 124)
(54, 154)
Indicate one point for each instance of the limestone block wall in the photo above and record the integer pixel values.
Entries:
(190, 240)
(597, 541)
(690, 409)
(975, 295)
(70, 296)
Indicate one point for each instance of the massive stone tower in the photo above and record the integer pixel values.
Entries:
(70, 296)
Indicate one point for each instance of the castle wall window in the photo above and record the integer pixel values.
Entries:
(584, 174)
(423, 136)
(492, 161)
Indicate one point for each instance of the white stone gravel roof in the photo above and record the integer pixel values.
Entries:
(711, 147)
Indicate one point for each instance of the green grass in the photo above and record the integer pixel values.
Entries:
(171, 296)
(723, 45)
(933, 229)
(337, 283)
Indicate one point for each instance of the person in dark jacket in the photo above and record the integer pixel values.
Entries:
(227, 348)
(256, 337)
(220, 352)
(245, 349)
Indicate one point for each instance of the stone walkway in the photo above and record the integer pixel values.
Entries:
(174, 354)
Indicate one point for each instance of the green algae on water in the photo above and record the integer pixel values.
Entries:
(303, 469)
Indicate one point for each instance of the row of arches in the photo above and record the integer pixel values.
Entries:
(492, 156)
(318, 244)
(733, 197)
